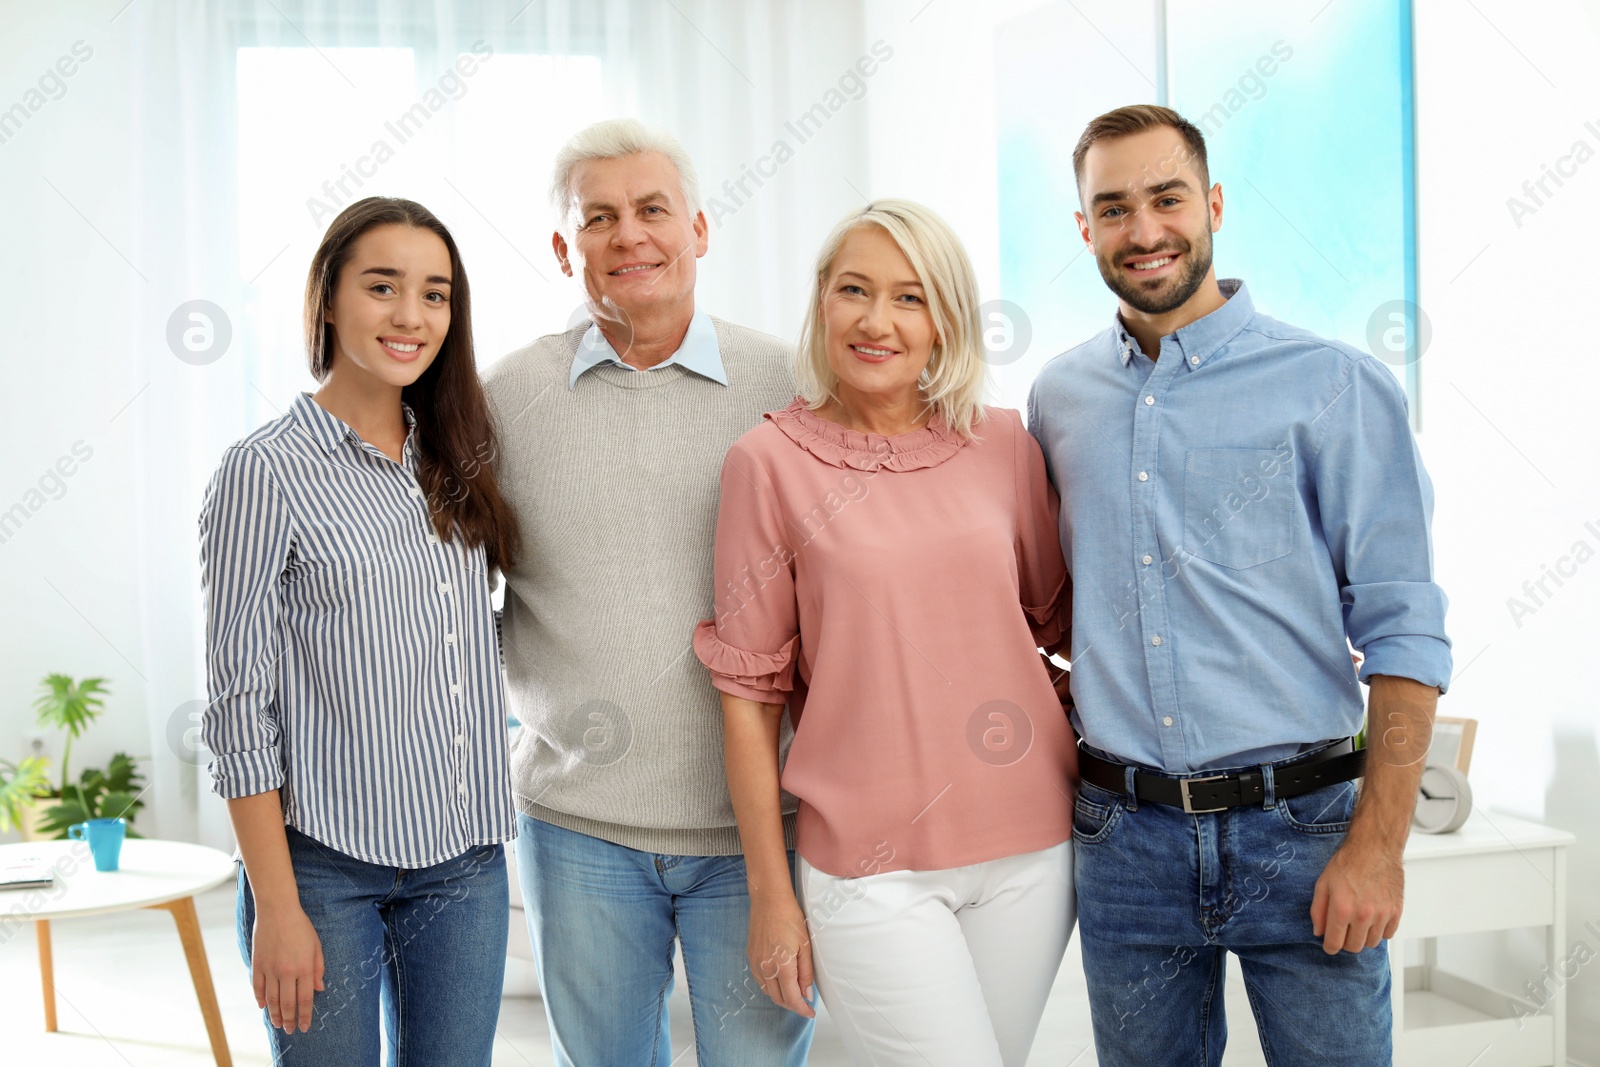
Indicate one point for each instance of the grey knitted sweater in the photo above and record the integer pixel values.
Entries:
(615, 483)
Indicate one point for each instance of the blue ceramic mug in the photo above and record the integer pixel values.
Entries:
(105, 840)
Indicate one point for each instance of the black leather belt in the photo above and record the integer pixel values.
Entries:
(1339, 762)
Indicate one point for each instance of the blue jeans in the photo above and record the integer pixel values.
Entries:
(1163, 897)
(603, 919)
(425, 949)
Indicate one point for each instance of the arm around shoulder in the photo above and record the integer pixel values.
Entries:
(1042, 571)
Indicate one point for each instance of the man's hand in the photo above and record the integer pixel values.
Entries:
(1358, 898)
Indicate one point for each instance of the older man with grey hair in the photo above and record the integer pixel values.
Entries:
(613, 437)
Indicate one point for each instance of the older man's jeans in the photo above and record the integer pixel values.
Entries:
(1164, 896)
(604, 919)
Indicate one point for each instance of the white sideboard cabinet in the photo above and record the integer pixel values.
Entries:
(1496, 873)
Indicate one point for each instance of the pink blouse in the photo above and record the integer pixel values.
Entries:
(894, 592)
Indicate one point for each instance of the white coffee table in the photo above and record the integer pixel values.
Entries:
(153, 874)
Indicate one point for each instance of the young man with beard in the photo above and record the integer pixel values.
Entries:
(1239, 499)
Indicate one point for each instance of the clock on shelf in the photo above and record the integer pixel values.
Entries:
(1444, 800)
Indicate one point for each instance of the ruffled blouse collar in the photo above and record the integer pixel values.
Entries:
(841, 447)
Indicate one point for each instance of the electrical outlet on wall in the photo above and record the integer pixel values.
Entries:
(35, 744)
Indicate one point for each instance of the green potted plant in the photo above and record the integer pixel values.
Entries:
(113, 792)
(69, 705)
(21, 784)
(97, 794)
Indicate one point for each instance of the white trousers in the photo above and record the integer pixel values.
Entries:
(928, 968)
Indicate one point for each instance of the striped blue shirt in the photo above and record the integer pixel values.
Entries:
(350, 653)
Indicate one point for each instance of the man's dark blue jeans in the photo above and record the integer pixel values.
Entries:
(1164, 896)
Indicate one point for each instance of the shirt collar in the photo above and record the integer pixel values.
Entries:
(328, 430)
(1203, 337)
(699, 353)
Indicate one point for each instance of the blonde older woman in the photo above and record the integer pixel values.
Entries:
(887, 566)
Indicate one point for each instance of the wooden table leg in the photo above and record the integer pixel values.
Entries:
(47, 973)
(199, 970)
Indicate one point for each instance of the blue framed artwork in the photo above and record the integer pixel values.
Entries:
(1309, 115)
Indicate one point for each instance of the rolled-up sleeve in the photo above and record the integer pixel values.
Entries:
(1376, 506)
(1041, 570)
(752, 644)
(245, 536)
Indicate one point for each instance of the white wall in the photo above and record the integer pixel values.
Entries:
(67, 577)
(1507, 433)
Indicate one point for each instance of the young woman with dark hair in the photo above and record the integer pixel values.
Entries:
(356, 708)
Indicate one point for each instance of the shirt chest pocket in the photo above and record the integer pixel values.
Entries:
(1239, 506)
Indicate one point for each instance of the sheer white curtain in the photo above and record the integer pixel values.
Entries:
(253, 122)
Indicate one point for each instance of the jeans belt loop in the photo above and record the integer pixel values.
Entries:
(1269, 798)
(1128, 787)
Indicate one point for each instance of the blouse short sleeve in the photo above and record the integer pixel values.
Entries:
(751, 644)
(1041, 568)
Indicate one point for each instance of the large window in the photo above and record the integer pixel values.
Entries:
(471, 136)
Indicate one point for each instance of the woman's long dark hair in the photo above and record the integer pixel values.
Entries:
(456, 439)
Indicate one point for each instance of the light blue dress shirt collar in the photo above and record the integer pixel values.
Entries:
(699, 353)
(1205, 336)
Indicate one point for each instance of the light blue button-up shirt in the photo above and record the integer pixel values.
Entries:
(1231, 513)
(698, 353)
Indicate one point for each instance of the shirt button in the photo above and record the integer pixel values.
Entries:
(462, 789)
(1167, 721)
(1147, 560)
(1194, 361)
(1149, 400)
(455, 689)
(449, 639)
(415, 492)
(1143, 477)
(432, 539)
(461, 739)
(1156, 640)
(444, 587)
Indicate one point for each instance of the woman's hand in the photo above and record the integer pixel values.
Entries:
(285, 966)
(779, 951)
(285, 952)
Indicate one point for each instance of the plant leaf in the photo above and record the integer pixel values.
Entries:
(122, 773)
(119, 806)
(70, 705)
(20, 784)
(57, 818)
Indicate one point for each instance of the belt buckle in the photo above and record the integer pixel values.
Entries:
(1188, 804)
